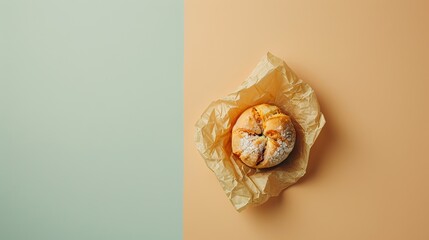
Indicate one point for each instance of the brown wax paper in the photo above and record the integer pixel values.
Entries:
(272, 82)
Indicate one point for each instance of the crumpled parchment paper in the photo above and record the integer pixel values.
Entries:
(272, 82)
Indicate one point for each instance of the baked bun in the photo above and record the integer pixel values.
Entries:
(263, 136)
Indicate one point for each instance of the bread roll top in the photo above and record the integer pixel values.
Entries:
(263, 136)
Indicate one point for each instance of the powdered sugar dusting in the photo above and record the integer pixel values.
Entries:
(250, 147)
(285, 146)
(282, 151)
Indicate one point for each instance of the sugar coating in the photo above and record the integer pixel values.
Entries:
(250, 147)
(253, 149)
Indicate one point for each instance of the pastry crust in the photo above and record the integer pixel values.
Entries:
(263, 136)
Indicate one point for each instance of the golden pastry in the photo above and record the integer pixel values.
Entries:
(263, 136)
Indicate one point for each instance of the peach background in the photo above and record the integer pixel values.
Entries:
(368, 62)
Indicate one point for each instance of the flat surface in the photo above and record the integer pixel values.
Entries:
(82, 141)
(368, 62)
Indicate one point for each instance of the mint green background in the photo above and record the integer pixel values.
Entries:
(91, 117)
